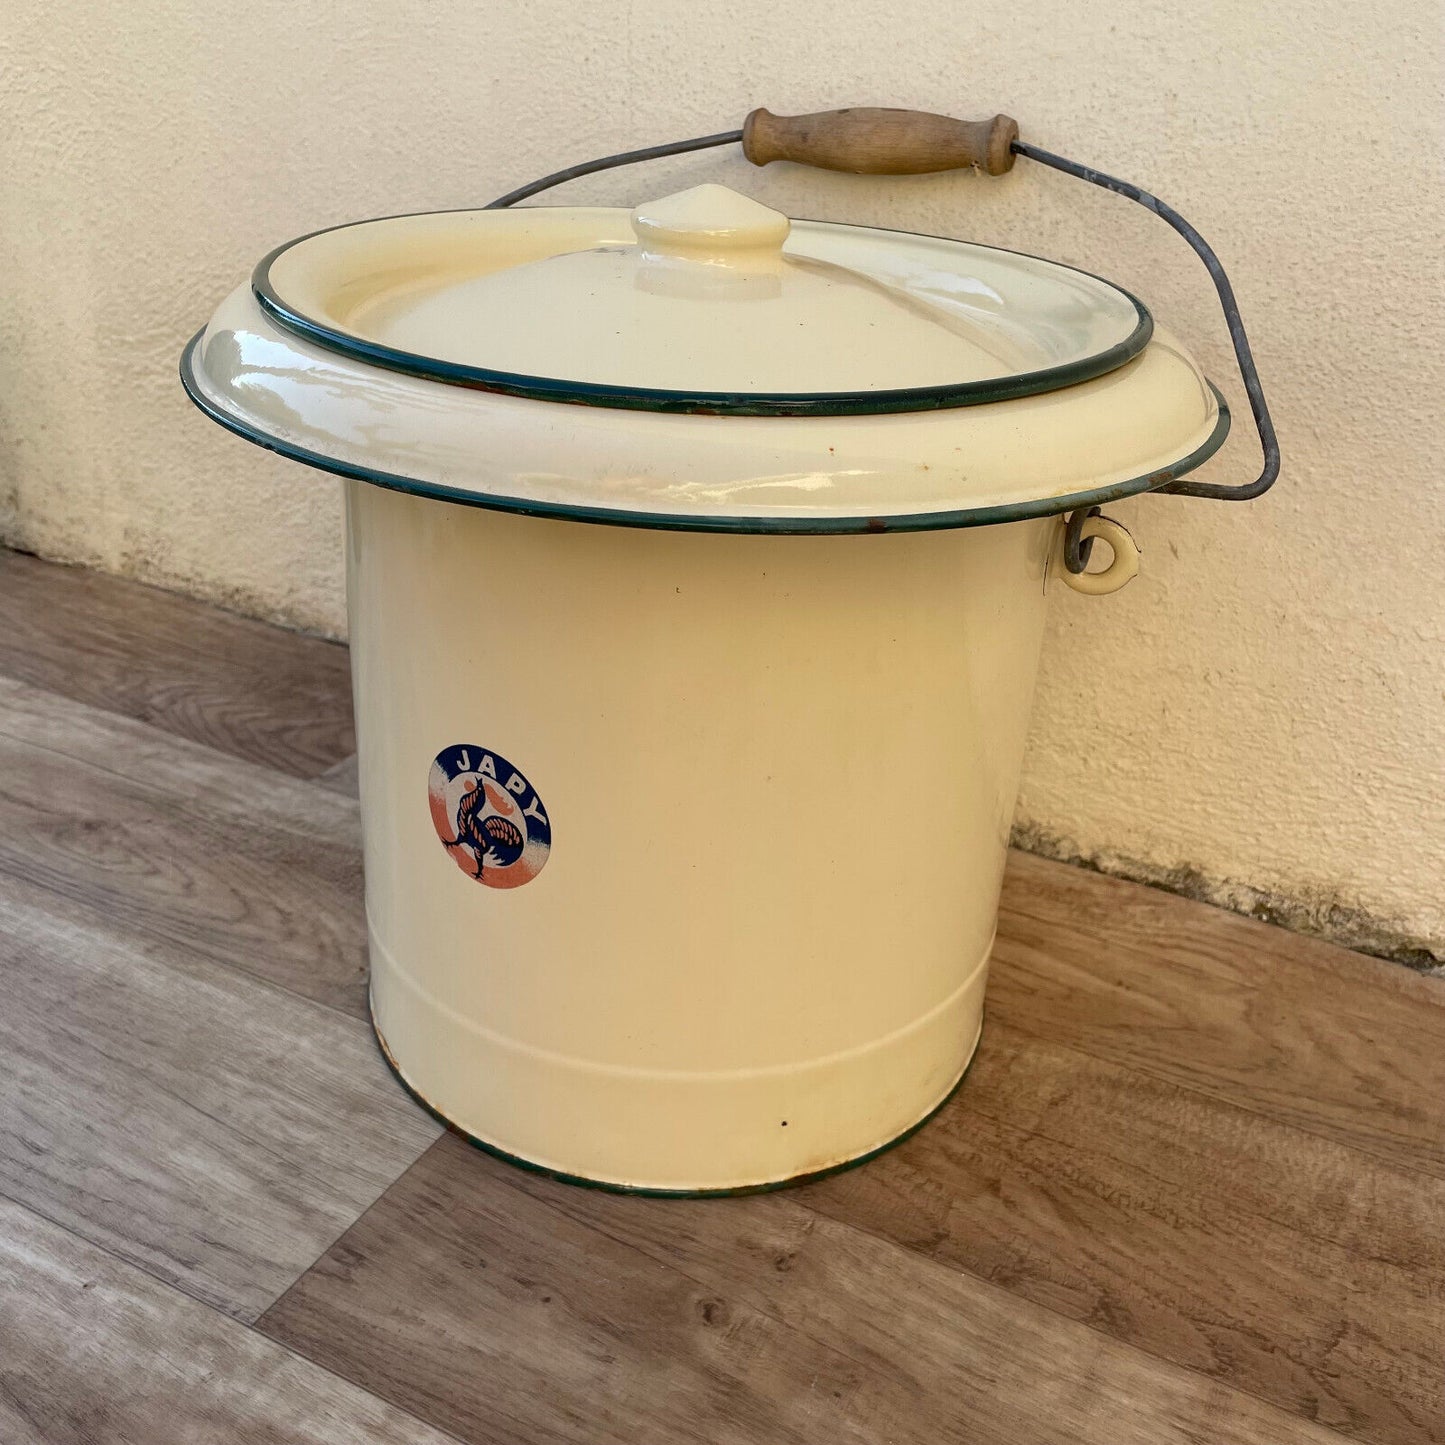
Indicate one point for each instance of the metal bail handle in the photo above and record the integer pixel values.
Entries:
(878, 141)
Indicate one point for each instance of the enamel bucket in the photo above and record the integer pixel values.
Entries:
(697, 572)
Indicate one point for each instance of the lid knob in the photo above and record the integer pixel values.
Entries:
(710, 221)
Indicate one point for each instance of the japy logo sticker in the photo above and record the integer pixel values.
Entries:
(488, 816)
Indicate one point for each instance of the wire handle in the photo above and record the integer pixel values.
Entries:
(903, 142)
(1243, 356)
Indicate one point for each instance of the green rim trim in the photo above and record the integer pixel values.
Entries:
(708, 403)
(664, 521)
(607, 1187)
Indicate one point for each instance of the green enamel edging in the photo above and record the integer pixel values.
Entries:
(608, 1187)
(666, 521)
(709, 403)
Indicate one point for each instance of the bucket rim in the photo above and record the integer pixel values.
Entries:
(985, 516)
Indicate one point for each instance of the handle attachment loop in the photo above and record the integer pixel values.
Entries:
(1076, 543)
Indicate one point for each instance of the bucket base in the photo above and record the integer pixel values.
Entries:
(613, 1187)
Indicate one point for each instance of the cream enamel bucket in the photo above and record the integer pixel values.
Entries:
(758, 947)
(684, 834)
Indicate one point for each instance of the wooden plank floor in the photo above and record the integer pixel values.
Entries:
(1193, 1190)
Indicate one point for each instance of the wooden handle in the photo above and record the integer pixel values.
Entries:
(873, 141)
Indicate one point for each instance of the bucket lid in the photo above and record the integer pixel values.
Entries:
(929, 382)
(700, 308)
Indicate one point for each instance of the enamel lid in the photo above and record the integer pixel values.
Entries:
(703, 362)
(700, 306)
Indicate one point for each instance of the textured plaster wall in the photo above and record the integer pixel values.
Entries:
(1260, 718)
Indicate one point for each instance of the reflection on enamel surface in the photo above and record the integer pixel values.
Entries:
(767, 490)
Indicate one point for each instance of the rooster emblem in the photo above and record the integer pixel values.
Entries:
(488, 816)
(495, 841)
